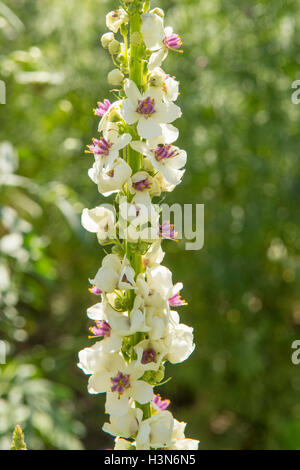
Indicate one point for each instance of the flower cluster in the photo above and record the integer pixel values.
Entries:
(135, 329)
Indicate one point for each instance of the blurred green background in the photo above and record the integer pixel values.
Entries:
(239, 390)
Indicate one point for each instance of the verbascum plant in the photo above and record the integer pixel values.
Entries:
(18, 442)
(136, 330)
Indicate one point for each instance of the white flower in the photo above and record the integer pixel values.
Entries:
(113, 325)
(112, 113)
(178, 341)
(155, 432)
(165, 186)
(170, 88)
(138, 220)
(165, 158)
(114, 19)
(158, 39)
(99, 220)
(110, 179)
(148, 110)
(142, 185)
(112, 341)
(154, 255)
(150, 354)
(125, 425)
(106, 149)
(110, 374)
(159, 178)
(159, 279)
(90, 358)
(157, 77)
(168, 84)
(179, 441)
(152, 30)
(114, 275)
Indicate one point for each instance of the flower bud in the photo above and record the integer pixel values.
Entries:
(114, 47)
(106, 39)
(157, 77)
(160, 374)
(115, 19)
(115, 77)
(158, 12)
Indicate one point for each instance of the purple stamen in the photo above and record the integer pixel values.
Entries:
(99, 147)
(102, 108)
(120, 382)
(176, 300)
(94, 290)
(148, 356)
(166, 230)
(173, 41)
(102, 328)
(146, 107)
(162, 404)
(141, 185)
(164, 151)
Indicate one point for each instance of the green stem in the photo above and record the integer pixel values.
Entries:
(145, 408)
(135, 159)
(136, 62)
(136, 74)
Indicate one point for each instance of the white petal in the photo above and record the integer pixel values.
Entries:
(142, 392)
(155, 93)
(172, 175)
(179, 161)
(118, 322)
(110, 159)
(152, 30)
(157, 58)
(161, 429)
(99, 383)
(108, 183)
(172, 89)
(96, 312)
(168, 31)
(170, 133)
(122, 444)
(116, 405)
(128, 112)
(106, 279)
(112, 344)
(180, 344)
(148, 128)
(140, 147)
(143, 437)
(111, 261)
(132, 91)
(167, 112)
(90, 359)
(88, 222)
(122, 141)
